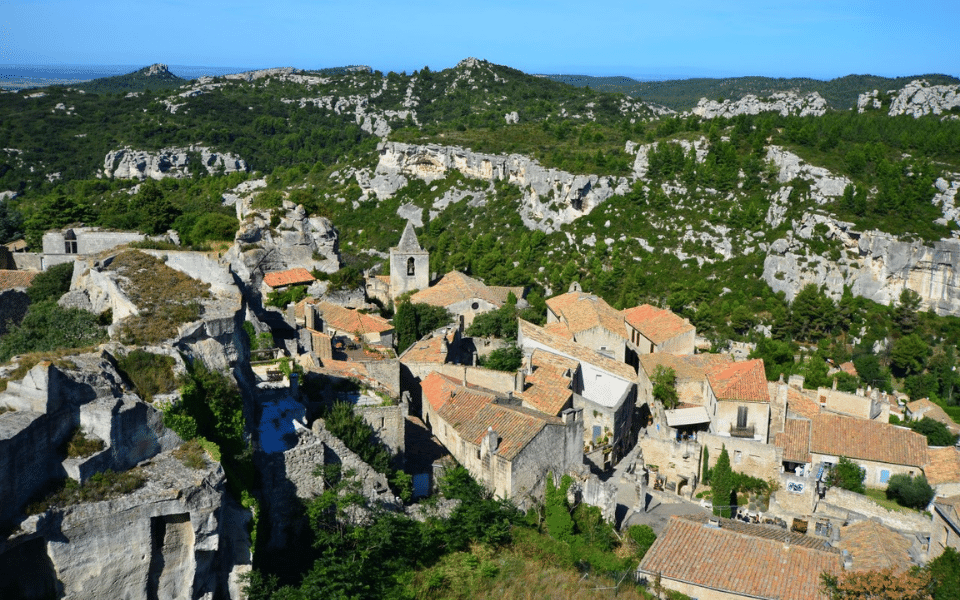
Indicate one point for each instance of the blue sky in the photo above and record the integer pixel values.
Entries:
(638, 38)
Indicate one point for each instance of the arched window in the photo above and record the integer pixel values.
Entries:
(411, 269)
(70, 242)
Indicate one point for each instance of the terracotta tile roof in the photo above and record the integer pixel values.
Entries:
(547, 389)
(867, 440)
(875, 547)
(656, 324)
(580, 312)
(944, 465)
(348, 319)
(10, 279)
(795, 441)
(559, 329)
(288, 277)
(802, 405)
(472, 412)
(688, 367)
(429, 351)
(575, 351)
(456, 287)
(757, 561)
(437, 389)
(743, 382)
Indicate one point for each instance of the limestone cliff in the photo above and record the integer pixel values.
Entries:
(875, 265)
(128, 163)
(785, 103)
(551, 197)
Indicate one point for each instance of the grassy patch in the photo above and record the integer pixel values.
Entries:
(80, 446)
(166, 297)
(880, 497)
(102, 486)
(192, 454)
(151, 373)
(29, 361)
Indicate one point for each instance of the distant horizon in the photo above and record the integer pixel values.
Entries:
(8, 70)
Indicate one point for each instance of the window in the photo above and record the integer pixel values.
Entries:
(741, 416)
(411, 267)
(596, 432)
(884, 476)
(738, 457)
(70, 242)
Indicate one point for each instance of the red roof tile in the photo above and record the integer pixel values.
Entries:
(867, 440)
(350, 320)
(288, 277)
(757, 561)
(575, 351)
(743, 382)
(438, 388)
(580, 311)
(795, 441)
(456, 287)
(944, 465)
(656, 324)
(10, 279)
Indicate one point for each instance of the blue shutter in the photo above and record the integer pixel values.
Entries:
(884, 475)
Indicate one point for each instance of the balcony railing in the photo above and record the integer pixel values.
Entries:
(741, 432)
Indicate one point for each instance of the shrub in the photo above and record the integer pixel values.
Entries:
(291, 295)
(504, 359)
(643, 537)
(48, 327)
(150, 373)
(102, 486)
(848, 475)
(52, 283)
(912, 492)
(192, 454)
(80, 446)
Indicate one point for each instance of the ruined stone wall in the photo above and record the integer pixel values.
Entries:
(389, 425)
(674, 460)
(387, 372)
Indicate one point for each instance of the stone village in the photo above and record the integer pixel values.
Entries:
(581, 404)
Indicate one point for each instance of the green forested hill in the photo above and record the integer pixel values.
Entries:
(683, 94)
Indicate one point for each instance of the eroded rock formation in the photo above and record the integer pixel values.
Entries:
(128, 163)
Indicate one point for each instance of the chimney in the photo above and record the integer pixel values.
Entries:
(443, 345)
(520, 381)
(490, 441)
(571, 415)
(310, 317)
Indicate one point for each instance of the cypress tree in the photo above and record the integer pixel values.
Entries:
(705, 477)
(722, 482)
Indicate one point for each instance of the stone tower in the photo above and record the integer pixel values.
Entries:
(409, 264)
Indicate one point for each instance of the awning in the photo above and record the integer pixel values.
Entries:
(687, 416)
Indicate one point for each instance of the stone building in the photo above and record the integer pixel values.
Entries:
(467, 297)
(742, 408)
(603, 388)
(723, 559)
(593, 323)
(334, 320)
(66, 244)
(653, 329)
(945, 532)
(880, 449)
(508, 448)
(409, 264)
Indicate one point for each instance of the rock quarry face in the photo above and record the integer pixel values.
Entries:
(917, 98)
(785, 103)
(875, 265)
(551, 197)
(127, 163)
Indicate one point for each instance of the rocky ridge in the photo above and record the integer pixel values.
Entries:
(127, 163)
(916, 99)
(785, 103)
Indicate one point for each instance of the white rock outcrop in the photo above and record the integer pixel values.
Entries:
(785, 103)
(127, 163)
(917, 98)
(825, 186)
(551, 197)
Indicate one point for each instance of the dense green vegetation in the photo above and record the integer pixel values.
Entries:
(479, 548)
(848, 475)
(150, 373)
(683, 94)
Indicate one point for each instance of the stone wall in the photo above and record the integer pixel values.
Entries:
(674, 461)
(874, 476)
(746, 456)
(386, 372)
(840, 503)
(13, 307)
(389, 425)
(758, 417)
(89, 241)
